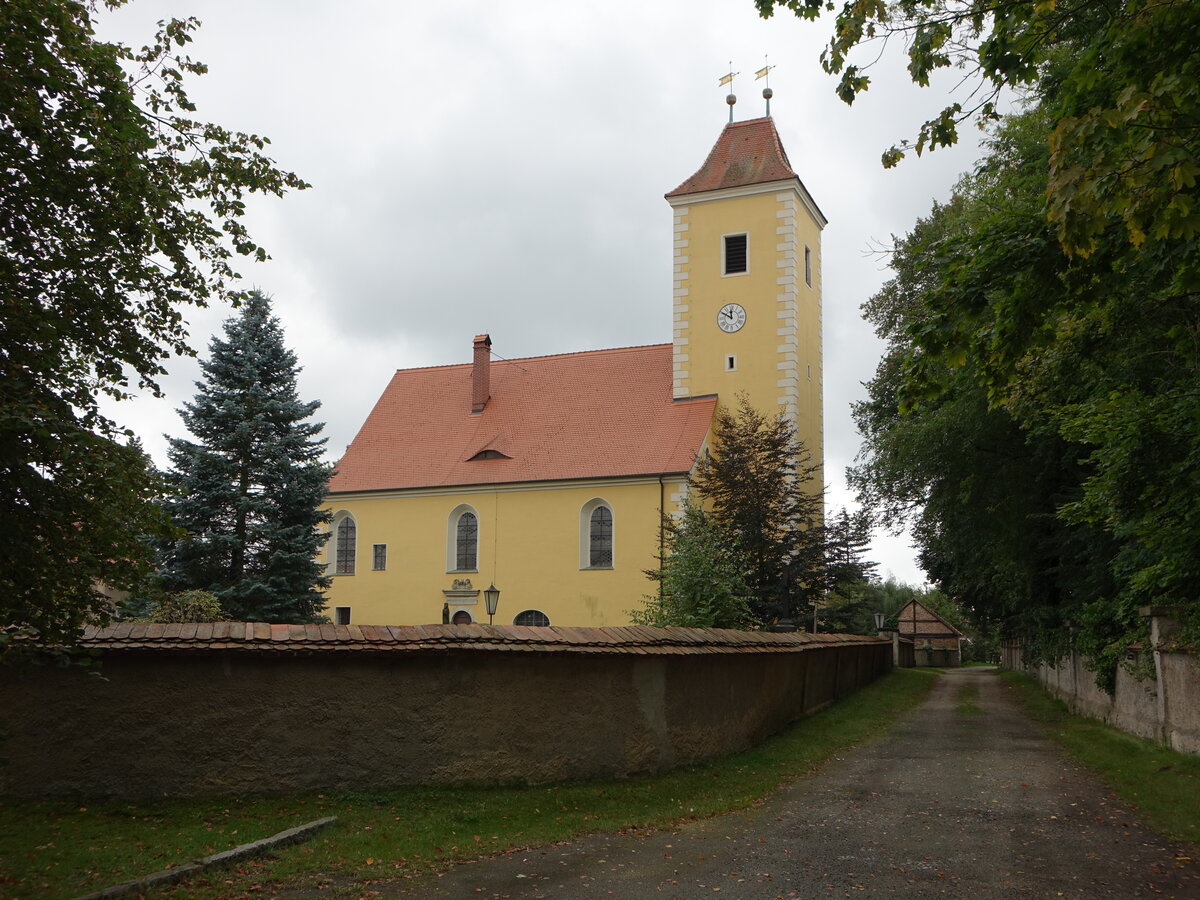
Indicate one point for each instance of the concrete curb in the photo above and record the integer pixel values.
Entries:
(169, 876)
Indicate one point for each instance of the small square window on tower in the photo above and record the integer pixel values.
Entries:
(730, 363)
(379, 561)
(733, 254)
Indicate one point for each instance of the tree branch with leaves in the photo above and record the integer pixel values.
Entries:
(118, 210)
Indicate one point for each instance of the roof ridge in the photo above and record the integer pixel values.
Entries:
(518, 359)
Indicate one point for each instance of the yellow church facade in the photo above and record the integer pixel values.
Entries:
(547, 477)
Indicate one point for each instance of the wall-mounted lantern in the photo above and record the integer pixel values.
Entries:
(879, 617)
(491, 599)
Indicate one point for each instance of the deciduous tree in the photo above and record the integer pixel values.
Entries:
(701, 579)
(1035, 412)
(1122, 78)
(117, 209)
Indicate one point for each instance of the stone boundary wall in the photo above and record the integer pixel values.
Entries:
(1165, 708)
(233, 708)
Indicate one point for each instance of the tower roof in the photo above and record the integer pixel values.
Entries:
(747, 152)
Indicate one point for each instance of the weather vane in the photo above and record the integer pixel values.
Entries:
(765, 72)
(728, 80)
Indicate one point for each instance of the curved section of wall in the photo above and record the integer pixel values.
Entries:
(209, 716)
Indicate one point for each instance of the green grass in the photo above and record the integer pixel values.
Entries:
(58, 849)
(968, 696)
(1163, 784)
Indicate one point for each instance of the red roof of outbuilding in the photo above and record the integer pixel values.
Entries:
(597, 414)
(745, 153)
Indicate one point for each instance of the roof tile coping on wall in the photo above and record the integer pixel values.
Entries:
(259, 637)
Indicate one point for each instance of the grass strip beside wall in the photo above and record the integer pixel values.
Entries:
(62, 850)
(1163, 784)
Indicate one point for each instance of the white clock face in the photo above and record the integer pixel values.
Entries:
(731, 317)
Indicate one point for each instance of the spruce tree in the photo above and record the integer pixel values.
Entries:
(248, 492)
(758, 483)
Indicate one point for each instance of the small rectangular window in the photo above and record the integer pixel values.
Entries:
(731, 363)
(807, 266)
(735, 254)
(341, 615)
(379, 557)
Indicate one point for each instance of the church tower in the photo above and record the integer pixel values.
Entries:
(747, 282)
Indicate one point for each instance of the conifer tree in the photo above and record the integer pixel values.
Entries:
(249, 489)
(758, 484)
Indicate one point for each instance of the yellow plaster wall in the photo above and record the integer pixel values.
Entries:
(529, 547)
(782, 334)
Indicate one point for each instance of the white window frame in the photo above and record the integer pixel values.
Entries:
(585, 534)
(808, 265)
(452, 537)
(375, 558)
(746, 271)
(538, 611)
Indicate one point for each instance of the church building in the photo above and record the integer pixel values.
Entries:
(546, 478)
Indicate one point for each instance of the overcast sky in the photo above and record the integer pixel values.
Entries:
(500, 167)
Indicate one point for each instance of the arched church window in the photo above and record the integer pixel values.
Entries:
(347, 537)
(467, 542)
(532, 617)
(596, 534)
(600, 537)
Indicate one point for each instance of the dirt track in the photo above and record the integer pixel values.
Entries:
(951, 804)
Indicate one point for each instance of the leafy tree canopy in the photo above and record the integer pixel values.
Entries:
(702, 578)
(248, 490)
(1123, 79)
(187, 606)
(1034, 415)
(118, 208)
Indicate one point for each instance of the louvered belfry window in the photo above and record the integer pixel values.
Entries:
(467, 542)
(346, 539)
(600, 529)
(735, 253)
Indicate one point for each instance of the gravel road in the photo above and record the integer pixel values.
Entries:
(953, 803)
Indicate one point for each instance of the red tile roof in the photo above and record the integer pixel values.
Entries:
(259, 637)
(598, 414)
(745, 153)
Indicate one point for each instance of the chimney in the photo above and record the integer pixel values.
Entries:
(481, 387)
